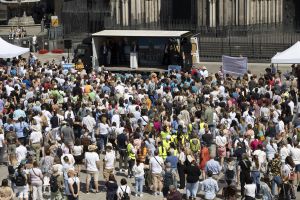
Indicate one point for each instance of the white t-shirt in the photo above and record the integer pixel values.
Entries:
(36, 137)
(250, 190)
(221, 140)
(123, 188)
(1, 140)
(77, 150)
(284, 152)
(109, 160)
(295, 153)
(103, 129)
(156, 164)
(21, 153)
(261, 155)
(91, 158)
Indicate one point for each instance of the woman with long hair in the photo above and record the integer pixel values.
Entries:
(6, 193)
(255, 173)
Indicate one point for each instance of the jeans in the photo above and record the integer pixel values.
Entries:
(174, 172)
(131, 164)
(37, 192)
(276, 181)
(256, 178)
(139, 182)
(192, 189)
(101, 142)
(123, 159)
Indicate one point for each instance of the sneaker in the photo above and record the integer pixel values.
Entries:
(161, 194)
(154, 194)
(136, 195)
(141, 195)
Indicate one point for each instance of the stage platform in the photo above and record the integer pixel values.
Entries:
(138, 70)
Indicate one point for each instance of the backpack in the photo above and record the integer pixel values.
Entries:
(20, 180)
(195, 147)
(53, 183)
(125, 195)
(168, 179)
(242, 142)
(112, 135)
(229, 174)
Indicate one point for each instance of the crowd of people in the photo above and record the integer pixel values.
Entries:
(17, 33)
(176, 135)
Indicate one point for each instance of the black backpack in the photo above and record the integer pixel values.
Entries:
(168, 179)
(229, 174)
(112, 135)
(20, 180)
(53, 183)
(125, 195)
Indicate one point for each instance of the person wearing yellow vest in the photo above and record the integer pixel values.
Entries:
(195, 146)
(174, 139)
(131, 157)
(166, 142)
(164, 133)
(162, 151)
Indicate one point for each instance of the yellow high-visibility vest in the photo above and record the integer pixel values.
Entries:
(162, 152)
(131, 155)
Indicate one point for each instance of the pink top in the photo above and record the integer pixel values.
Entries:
(36, 176)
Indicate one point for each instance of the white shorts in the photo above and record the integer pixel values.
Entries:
(22, 191)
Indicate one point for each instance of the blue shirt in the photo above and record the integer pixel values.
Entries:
(19, 127)
(173, 160)
(213, 166)
(19, 113)
(210, 187)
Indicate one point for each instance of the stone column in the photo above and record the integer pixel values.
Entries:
(273, 14)
(117, 12)
(151, 5)
(133, 16)
(280, 9)
(112, 9)
(212, 13)
(155, 10)
(126, 13)
(158, 10)
(221, 12)
(241, 15)
(226, 7)
(147, 13)
(266, 11)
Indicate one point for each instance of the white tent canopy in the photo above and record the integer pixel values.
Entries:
(140, 33)
(8, 50)
(289, 56)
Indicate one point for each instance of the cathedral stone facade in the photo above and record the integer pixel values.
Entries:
(210, 13)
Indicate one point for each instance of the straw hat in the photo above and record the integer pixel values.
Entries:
(92, 147)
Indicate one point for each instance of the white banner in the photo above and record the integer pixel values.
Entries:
(236, 66)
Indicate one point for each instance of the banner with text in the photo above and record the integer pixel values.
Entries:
(236, 66)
